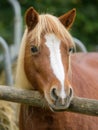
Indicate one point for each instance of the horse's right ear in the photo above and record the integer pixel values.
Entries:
(31, 18)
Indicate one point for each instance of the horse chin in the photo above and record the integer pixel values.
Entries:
(59, 108)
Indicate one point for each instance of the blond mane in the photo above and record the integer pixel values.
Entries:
(47, 24)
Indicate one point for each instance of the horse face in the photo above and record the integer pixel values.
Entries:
(47, 68)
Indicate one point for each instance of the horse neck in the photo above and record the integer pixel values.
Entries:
(35, 111)
(79, 78)
(35, 118)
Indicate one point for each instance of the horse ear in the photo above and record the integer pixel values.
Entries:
(68, 18)
(31, 18)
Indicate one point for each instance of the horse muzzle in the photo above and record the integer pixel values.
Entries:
(58, 103)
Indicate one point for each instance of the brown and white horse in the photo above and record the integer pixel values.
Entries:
(46, 64)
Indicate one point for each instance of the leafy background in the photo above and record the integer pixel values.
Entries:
(85, 27)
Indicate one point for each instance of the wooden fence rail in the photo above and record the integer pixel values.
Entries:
(78, 105)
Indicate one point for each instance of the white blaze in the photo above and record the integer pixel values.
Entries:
(53, 44)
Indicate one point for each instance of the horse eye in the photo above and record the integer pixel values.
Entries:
(71, 50)
(34, 49)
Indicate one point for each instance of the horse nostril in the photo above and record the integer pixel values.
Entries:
(70, 92)
(54, 94)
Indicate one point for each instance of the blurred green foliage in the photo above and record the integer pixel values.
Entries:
(85, 27)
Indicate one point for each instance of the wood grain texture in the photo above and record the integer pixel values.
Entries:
(34, 98)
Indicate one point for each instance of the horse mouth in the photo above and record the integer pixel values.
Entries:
(59, 108)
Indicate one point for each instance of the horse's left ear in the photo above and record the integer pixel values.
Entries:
(31, 18)
(68, 18)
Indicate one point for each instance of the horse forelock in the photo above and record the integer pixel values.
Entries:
(49, 24)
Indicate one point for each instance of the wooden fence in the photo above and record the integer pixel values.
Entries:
(78, 105)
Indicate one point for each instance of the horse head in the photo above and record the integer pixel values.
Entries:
(48, 46)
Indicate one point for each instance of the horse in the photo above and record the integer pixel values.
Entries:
(46, 63)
